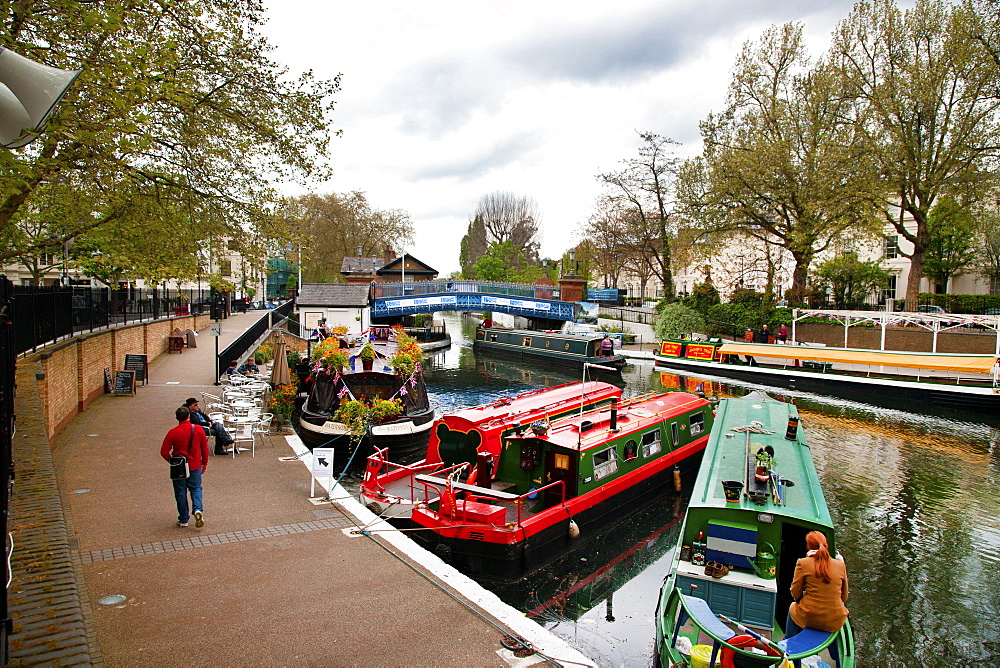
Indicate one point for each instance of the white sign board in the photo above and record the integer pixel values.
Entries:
(216, 328)
(322, 463)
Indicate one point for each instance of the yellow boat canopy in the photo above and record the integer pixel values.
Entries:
(930, 361)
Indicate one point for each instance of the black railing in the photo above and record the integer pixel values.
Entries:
(238, 349)
(49, 313)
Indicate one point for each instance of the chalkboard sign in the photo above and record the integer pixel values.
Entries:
(137, 363)
(108, 385)
(124, 382)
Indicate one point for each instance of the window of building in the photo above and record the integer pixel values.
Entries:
(651, 443)
(233, 245)
(889, 292)
(605, 463)
(226, 268)
(890, 246)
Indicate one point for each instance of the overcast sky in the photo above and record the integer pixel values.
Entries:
(445, 101)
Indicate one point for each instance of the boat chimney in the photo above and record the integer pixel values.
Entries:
(793, 427)
(484, 469)
(614, 415)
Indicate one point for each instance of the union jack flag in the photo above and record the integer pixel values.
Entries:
(402, 391)
(418, 368)
(336, 377)
(343, 392)
(413, 381)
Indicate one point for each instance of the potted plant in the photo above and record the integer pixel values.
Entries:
(353, 414)
(282, 402)
(385, 409)
(367, 356)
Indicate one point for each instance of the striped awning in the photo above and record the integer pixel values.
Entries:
(929, 361)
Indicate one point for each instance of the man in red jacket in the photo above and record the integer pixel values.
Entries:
(188, 440)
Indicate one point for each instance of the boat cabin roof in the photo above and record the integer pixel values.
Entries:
(742, 427)
(592, 429)
(935, 361)
(528, 406)
(553, 335)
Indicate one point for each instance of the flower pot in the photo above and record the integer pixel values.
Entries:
(367, 364)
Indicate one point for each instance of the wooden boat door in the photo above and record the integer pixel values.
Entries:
(560, 466)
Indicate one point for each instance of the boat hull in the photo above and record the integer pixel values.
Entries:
(400, 438)
(548, 538)
(549, 347)
(978, 402)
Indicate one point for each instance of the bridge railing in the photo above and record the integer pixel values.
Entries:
(420, 288)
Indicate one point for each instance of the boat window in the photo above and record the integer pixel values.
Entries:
(605, 463)
(697, 423)
(675, 435)
(526, 341)
(631, 450)
(567, 345)
(561, 461)
(650, 443)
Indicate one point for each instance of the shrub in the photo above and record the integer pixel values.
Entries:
(676, 321)
(282, 401)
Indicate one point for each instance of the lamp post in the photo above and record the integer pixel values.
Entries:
(572, 261)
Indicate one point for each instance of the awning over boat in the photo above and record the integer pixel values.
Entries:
(930, 361)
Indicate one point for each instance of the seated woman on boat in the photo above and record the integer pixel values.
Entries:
(819, 589)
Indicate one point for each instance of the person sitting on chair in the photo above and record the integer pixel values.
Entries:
(249, 368)
(820, 591)
(211, 427)
(231, 370)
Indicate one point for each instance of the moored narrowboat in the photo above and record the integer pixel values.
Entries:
(573, 350)
(460, 437)
(552, 488)
(756, 497)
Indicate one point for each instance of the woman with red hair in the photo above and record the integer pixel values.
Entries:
(819, 590)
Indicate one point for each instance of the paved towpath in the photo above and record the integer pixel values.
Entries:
(271, 578)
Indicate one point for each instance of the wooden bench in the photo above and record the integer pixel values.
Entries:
(472, 489)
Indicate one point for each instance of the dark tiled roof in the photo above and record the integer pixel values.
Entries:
(333, 294)
(364, 264)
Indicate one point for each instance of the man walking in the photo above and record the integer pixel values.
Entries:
(187, 440)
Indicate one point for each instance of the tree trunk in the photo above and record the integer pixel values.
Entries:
(913, 279)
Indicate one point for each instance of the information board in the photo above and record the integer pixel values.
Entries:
(124, 382)
(138, 364)
(108, 383)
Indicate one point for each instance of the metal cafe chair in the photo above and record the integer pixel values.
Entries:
(242, 431)
(263, 427)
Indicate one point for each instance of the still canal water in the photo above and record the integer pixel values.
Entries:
(915, 499)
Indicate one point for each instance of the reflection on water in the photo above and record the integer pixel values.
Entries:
(914, 499)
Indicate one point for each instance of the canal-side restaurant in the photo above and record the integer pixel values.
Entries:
(272, 578)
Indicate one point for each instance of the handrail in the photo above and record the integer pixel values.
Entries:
(518, 501)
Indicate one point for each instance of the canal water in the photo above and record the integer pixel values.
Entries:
(915, 499)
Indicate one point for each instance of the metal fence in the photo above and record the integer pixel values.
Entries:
(238, 349)
(646, 316)
(49, 313)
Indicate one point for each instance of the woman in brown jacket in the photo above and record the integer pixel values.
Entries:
(819, 589)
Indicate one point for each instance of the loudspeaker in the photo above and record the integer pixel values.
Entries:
(29, 92)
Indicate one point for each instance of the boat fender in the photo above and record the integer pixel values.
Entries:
(443, 552)
(533, 493)
(677, 479)
(374, 507)
(573, 528)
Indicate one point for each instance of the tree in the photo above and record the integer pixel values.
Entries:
(640, 193)
(926, 113)
(675, 321)
(505, 262)
(953, 245)
(177, 103)
(988, 261)
(778, 163)
(501, 217)
(331, 227)
(850, 280)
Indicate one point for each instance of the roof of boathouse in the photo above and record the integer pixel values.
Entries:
(333, 294)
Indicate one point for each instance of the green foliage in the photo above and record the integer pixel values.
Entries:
(703, 296)
(953, 246)
(503, 262)
(357, 415)
(961, 303)
(263, 353)
(294, 357)
(282, 401)
(629, 335)
(179, 115)
(676, 321)
(850, 280)
(367, 352)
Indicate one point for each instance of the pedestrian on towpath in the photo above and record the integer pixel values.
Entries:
(187, 440)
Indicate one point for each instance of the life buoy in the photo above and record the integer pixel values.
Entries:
(743, 642)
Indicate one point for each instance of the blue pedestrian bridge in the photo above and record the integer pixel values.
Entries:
(532, 301)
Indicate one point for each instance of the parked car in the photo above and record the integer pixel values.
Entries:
(930, 308)
(992, 311)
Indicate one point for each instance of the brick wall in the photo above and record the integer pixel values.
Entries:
(70, 374)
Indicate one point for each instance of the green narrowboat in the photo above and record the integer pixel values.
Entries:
(573, 350)
(756, 497)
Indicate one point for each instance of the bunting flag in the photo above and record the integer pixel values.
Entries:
(336, 377)
(418, 368)
(402, 391)
(343, 392)
(413, 382)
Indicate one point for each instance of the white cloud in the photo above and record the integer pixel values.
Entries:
(445, 101)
